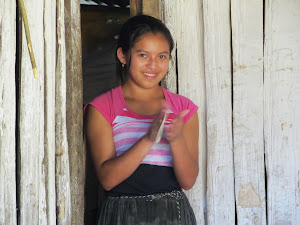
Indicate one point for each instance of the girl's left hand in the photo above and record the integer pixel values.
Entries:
(176, 126)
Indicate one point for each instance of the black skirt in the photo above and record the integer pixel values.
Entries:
(172, 208)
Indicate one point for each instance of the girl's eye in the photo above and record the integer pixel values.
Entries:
(143, 55)
(162, 57)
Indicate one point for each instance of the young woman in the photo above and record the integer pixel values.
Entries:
(142, 171)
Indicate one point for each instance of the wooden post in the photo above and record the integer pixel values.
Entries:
(191, 83)
(63, 192)
(74, 107)
(247, 48)
(148, 7)
(169, 17)
(282, 110)
(50, 63)
(8, 213)
(220, 175)
(135, 7)
(152, 8)
(31, 169)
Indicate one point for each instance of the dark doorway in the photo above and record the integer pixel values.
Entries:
(100, 23)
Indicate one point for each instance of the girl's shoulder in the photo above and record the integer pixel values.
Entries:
(108, 103)
(178, 103)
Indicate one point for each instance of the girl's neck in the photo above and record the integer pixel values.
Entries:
(131, 91)
(142, 100)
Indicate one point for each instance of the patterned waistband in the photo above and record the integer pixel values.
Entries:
(173, 194)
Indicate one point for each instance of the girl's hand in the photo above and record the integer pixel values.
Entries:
(153, 130)
(175, 128)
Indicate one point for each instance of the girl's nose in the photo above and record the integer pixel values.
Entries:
(152, 63)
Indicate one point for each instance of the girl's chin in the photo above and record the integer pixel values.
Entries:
(149, 85)
(147, 81)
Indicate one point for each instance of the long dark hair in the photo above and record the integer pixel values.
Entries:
(130, 33)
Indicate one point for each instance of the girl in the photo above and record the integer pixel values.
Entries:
(142, 171)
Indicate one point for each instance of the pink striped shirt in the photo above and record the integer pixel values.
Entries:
(128, 127)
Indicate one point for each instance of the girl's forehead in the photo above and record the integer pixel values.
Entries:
(152, 41)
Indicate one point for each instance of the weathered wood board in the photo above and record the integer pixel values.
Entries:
(62, 166)
(50, 63)
(148, 7)
(31, 170)
(220, 174)
(152, 7)
(136, 7)
(169, 17)
(191, 83)
(247, 48)
(282, 111)
(8, 212)
(74, 105)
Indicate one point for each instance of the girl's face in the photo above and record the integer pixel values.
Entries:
(149, 60)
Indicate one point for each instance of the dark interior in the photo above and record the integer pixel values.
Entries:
(99, 26)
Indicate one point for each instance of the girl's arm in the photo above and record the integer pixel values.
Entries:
(112, 169)
(183, 140)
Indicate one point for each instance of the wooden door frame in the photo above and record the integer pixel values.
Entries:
(148, 7)
(74, 108)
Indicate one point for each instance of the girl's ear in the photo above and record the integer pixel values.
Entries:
(121, 56)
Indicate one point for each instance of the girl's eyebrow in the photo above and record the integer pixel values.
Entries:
(140, 50)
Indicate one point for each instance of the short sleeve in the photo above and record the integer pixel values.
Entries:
(178, 103)
(108, 104)
(192, 107)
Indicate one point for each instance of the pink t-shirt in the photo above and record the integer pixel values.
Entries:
(128, 127)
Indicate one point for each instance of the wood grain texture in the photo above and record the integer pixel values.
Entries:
(31, 168)
(147, 7)
(191, 83)
(62, 167)
(135, 7)
(169, 17)
(152, 8)
(220, 174)
(74, 105)
(247, 48)
(50, 63)
(8, 213)
(282, 110)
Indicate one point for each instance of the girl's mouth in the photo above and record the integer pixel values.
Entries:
(150, 74)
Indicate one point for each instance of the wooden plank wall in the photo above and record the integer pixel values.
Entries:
(252, 110)
(7, 120)
(74, 98)
(50, 64)
(62, 164)
(247, 48)
(191, 83)
(31, 170)
(42, 191)
(282, 110)
(240, 64)
(220, 173)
